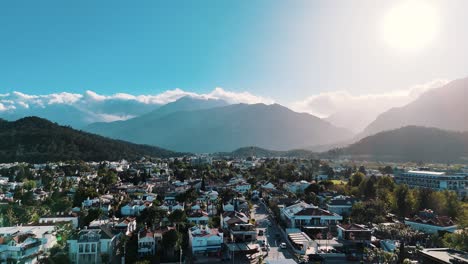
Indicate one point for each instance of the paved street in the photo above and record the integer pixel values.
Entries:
(271, 231)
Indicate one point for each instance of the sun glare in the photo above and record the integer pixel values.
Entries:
(411, 25)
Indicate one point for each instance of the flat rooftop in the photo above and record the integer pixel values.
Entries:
(445, 254)
(433, 173)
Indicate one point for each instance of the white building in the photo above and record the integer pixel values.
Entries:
(341, 205)
(457, 182)
(428, 222)
(243, 187)
(73, 220)
(296, 187)
(146, 243)
(303, 215)
(91, 246)
(205, 241)
(23, 244)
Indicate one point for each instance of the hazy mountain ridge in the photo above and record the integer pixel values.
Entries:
(445, 108)
(118, 128)
(33, 139)
(226, 128)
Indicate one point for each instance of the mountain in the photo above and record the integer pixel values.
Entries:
(411, 143)
(226, 128)
(246, 152)
(33, 139)
(445, 108)
(186, 103)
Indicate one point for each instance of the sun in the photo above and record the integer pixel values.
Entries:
(411, 25)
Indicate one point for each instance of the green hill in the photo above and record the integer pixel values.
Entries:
(33, 139)
(411, 143)
(246, 152)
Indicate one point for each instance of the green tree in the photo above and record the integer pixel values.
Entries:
(356, 179)
(404, 201)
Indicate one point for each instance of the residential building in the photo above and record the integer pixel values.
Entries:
(296, 187)
(457, 182)
(341, 205)
(442, 256)
(205, 241)
(302, 214)
(354, 233)
(23, 244)
(73, 220)
(428, 222)
(199, 217)
(92, 246)
(146, 242)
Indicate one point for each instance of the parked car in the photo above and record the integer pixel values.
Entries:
(283, 245)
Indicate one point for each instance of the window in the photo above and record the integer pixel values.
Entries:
(87, 248)
(93, 248)
(81, 248)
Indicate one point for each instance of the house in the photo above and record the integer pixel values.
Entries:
(341, 205)
(198, 216)
(24, 244)
(428, 222)
(268, 186)
(296, 187)
(92, 246)
(129, 210)
(238, 226)
(146, 242)
(354, 234)
(126, 225)
(302, 214)
(243, 187)
(205, 241)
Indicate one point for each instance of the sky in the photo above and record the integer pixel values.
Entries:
(290, 52)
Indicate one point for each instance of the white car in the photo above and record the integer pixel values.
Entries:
(283, 245)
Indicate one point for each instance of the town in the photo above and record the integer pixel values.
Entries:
(211, 209)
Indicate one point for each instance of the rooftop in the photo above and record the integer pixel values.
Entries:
(445, 254)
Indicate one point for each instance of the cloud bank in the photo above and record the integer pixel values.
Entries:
(339, 107)
(94, 107)
(356, 111)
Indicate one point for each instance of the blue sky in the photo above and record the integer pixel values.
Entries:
(285, 50)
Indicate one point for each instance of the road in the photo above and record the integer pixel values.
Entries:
(272, 234)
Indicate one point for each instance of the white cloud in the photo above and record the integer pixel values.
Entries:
(344, 107)
(96, 110)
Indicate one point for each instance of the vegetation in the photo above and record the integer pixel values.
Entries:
(409, 144)
(37, 140)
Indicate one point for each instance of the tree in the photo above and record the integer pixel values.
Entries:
(362, 170)
(152, 215)
(177, 216)
(356, 179)
(169, 241)
(424, 198)
(10, 217)
(404, 201)
(454, 208)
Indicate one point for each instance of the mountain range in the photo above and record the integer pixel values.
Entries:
(223, 128)
(34, 139)
(445, 108)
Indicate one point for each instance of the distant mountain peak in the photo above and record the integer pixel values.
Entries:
(443, 108)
